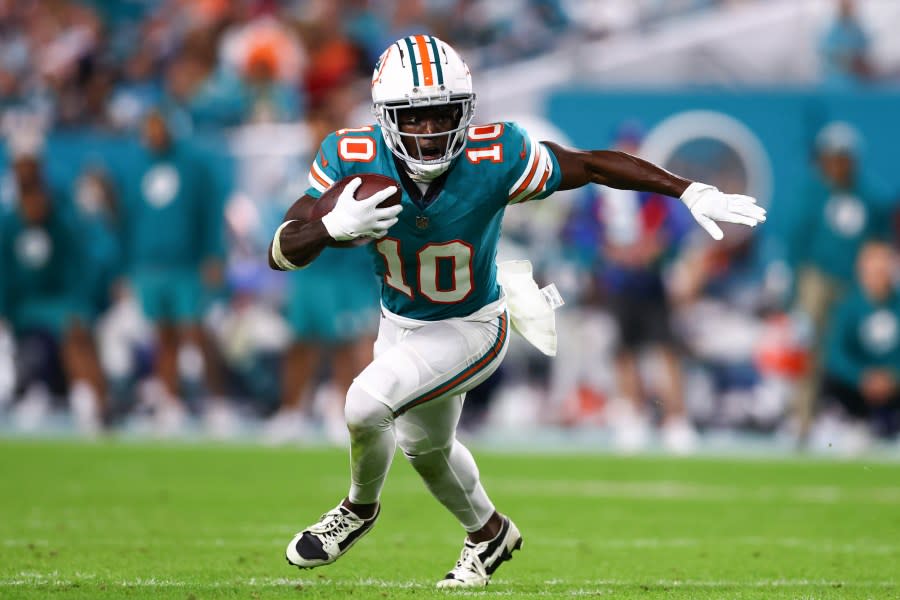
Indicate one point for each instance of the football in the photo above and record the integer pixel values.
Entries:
(371, 183)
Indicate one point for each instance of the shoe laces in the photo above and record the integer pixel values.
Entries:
(333, 526)
(469, 561)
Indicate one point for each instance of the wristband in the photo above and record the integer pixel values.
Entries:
(278, 256)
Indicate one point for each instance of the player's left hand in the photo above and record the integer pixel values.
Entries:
(709, 205)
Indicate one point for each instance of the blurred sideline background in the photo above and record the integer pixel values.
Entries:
(150, 149)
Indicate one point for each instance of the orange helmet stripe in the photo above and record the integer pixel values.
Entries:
(428, 75)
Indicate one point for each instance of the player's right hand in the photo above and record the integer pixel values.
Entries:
(708, 205)
(351, 218)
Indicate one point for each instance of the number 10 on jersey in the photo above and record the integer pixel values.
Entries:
(457, 253)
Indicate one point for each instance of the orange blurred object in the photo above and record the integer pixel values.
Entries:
(331, 66)
(266, 49)
(780, 352)
(262, 56)
(584, 406)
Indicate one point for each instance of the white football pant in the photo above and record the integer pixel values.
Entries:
(412, 395)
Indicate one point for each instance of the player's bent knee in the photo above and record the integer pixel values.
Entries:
(363, 411)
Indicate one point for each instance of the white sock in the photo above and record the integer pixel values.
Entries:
(452, 477)
(372, 444)
(85, 407)
(191, 364)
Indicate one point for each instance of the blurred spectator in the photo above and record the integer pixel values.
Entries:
(337, 320)
(502, 32)
(207, 92)
(409, 18)
(42, 300)
(268, 99)
(334, 60)
(862, 365)
(367, 28)
(845, 212)
(720, 287)
(173, 247)
(631, 235)
(97, 209)
(844, 49)
(270, 62)
(138, 90)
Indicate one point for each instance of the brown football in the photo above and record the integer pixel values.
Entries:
(371, 183)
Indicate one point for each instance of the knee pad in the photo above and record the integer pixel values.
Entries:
(426, 435)
(435, 463)
(363, 412)
(416, 441)
(419, 448)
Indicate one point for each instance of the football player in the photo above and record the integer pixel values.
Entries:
(444, 325)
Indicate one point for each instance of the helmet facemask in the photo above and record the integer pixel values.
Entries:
(421, 168)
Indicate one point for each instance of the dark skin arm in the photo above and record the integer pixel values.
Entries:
(616, 170)
(303, 240)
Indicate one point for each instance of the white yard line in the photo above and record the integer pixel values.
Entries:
(31, 578)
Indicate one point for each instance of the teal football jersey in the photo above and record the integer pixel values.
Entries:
(439, 261)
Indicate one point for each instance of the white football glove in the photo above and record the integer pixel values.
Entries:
(351, 218)
(709, 205)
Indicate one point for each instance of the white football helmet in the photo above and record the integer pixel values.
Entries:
(417, 71)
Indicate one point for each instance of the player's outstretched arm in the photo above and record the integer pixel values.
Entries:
(626, 172)
(298, 240)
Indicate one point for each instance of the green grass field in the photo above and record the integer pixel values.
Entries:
(112, 520)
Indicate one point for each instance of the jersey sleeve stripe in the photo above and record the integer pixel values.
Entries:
(545, 168)
(530, 169)
(314, 183)
(320, 175)
(548, 171)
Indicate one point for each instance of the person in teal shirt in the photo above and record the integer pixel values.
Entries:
(95, 201)
(842, 211)
(844, 49)
(42, 296)
(862, 363)
(173, 246)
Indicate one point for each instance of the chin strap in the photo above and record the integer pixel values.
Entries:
(426, 173)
